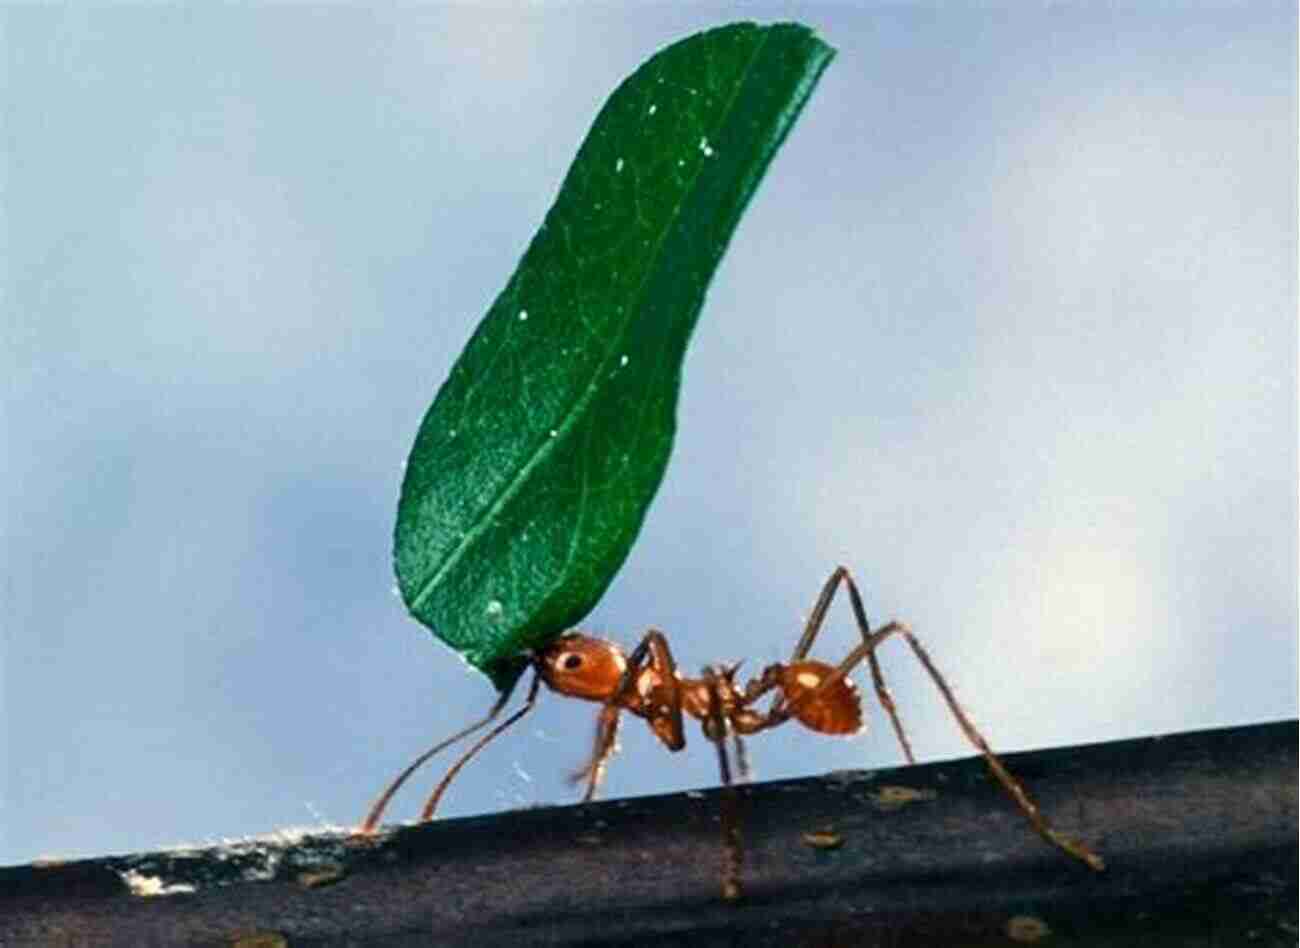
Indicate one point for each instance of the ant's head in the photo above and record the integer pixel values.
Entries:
(580, 666)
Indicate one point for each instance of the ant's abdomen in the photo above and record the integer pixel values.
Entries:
(838, 710)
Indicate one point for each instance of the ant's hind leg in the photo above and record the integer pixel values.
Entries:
(877, 676)
(818, 615)
(815, 620)
(866, 650)
(1014, 788)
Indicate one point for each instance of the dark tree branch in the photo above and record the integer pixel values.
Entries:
(1198, 830)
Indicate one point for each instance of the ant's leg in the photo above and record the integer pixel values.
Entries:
(818, 614)
(1008, 781)
(715, 729)
(742, 756)
(877, 676)
(432, 803)
(666, 717)
(887, 702)
(1013, 787)
(377, 811)
(813, 627)
(666, 721)
(606, 742)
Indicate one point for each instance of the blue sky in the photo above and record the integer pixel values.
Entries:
(1009, 329)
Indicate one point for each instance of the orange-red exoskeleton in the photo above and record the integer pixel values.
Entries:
(646, 683)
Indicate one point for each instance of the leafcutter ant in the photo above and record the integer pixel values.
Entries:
(646, 683)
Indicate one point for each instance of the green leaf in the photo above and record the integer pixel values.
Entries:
(534, 467)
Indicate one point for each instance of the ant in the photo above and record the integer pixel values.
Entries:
(646, 683)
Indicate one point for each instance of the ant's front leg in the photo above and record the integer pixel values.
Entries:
(661, 706)
(606, 741)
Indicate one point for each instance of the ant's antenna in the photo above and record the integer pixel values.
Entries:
(432, 803)
(377, 811)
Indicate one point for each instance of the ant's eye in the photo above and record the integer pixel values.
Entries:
(570, 661)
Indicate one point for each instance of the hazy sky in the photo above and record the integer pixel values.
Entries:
(1009, 329)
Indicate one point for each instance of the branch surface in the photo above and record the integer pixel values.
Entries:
(1198, 831)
